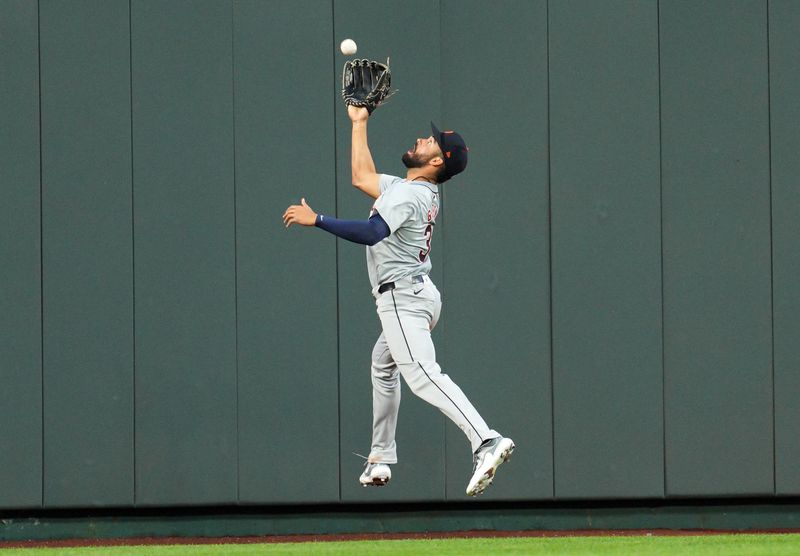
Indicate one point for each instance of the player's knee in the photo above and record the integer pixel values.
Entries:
(387, 385)
(383, 366)
(385, 374)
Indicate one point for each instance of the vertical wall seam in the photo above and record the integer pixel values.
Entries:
(771, 258)
(661, 232)
(235, 252)
(41, 233)
(550, 258)
(444, 228)
(133, 238)
(336, 254)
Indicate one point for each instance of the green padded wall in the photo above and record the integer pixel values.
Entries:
(20, 271)
(716, 248)
(606, 236)
(630, 203)
(408, 33)
(496, 288)
(184, 252)
(784, 81)
(288, 361)
(87, 253)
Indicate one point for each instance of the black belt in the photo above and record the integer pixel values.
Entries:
(390, 285)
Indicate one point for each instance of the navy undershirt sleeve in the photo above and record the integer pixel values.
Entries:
(365, 232)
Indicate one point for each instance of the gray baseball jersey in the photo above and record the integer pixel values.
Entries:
(410, 209)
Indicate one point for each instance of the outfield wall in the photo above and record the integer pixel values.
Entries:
(617, 263)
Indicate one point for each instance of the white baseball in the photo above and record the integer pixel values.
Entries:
(348, 47)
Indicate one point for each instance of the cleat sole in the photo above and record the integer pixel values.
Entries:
(376, 483)
(488, 475)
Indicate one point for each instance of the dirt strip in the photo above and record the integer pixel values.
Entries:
(62, 543)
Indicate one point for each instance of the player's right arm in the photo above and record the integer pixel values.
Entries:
(365, 176)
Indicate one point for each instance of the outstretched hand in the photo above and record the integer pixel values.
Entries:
(300, 214)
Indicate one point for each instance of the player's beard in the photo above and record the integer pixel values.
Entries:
(414, 161)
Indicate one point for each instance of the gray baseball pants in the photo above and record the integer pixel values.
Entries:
(408, 314)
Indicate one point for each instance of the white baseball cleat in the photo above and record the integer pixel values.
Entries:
(375, 474)
(486, 461)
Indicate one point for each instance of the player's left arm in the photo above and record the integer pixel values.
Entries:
(365, 232)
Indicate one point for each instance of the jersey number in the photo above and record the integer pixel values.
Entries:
(423, 254)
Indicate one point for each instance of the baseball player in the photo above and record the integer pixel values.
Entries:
(398, 238)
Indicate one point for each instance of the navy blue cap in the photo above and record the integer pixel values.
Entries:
(454, 149)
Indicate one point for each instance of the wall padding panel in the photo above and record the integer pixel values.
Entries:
(20, 256)
(184, 252)
(606, 236)
(288, 360)
(408, 33)
(716, 248)
(784, 52)
(87, 253)
(496, 289)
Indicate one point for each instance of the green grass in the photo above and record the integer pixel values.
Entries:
(728, 545)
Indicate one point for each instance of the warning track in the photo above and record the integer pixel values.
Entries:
(137, 541)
